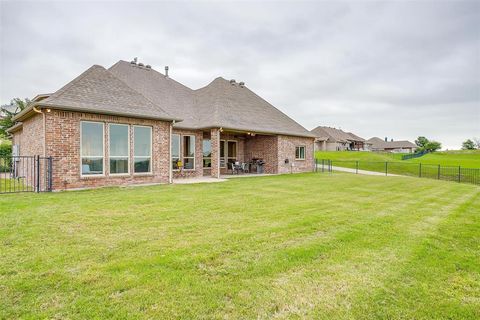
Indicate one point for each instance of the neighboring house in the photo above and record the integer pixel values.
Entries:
(132, 124)
(402, 146)
(332, 139)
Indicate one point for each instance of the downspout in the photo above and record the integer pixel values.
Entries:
(44, 127)
(170, 173)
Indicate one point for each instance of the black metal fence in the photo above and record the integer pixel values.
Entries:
(414, 155)
(25, 174)
(438, 172)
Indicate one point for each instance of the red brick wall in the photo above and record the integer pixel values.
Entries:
(31, 138)
(286, 150)
(63, 144)
(263, 147)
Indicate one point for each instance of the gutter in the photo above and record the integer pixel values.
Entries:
(15, 127)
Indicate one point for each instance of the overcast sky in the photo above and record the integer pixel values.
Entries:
(395, 69)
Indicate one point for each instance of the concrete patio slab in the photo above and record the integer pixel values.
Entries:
(197, 180)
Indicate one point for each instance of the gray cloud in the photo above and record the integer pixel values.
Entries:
(396, 69)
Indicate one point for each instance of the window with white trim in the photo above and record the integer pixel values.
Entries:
(142, 149)
(207, 153)
(119, 148)
(91, 148)
(189, 152)
(300, 153)
(175, 151)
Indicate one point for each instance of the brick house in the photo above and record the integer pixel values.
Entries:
(131, 124)
(400, 146)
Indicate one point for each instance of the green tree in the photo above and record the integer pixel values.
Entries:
(432, 146)
(421, 142)
(8, 111)
(468, 145)
(477, 142)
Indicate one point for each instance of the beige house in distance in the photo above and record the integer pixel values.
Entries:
(332, 139)
(131, 124)
(401, 146)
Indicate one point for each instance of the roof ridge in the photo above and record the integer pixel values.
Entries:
(152, 69)
(62, 90)
(126, 84)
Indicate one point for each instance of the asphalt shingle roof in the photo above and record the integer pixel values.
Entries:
(219, 104)
(378, 143)
(97, 90)
(335, 135)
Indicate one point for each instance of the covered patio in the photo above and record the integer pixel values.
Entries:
(227, 153)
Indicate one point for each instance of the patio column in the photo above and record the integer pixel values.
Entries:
(215, 140)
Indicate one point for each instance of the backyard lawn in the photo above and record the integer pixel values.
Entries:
(316, 246)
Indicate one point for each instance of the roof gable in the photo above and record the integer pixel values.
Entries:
(163, 91)
(99, 91)
(232, 106)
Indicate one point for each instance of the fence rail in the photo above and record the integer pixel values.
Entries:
(414, 155)
(25, 174)
(431, 171)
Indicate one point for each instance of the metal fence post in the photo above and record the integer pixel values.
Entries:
(420, 170)
(356, 167)
(438, 173)
(50, 174)
(386, 168)
(459, 174)
(37, 164)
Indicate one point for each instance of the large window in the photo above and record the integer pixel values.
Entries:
(119, 145)
(142, 149)
(189, 152)
(175, 151)
(207, 153)
(91, 148)
(232, 151)
(300, 153)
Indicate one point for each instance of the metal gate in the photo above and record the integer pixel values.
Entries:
(25, 174)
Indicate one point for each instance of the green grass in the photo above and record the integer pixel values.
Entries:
(463, 158)
(15, 185)
(315, 246)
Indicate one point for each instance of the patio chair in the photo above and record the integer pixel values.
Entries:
(246, 167)
(234, 168)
